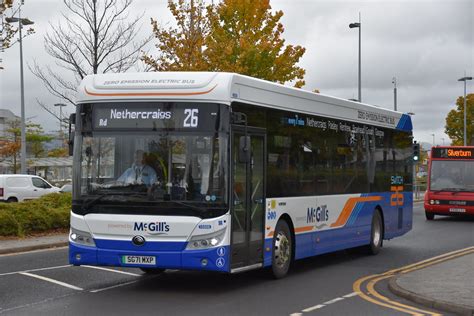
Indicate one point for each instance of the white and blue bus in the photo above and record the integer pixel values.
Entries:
(223, 172)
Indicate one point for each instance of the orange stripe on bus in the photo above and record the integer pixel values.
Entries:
(303, 229)
(297, 230)
(148, 94)
(349, 207)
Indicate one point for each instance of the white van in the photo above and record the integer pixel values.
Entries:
(20, 187)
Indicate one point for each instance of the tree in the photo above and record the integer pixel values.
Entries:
(181, 48)
(95, 37)
(9, 30)
(454, 127)
(239, 36)
(36, 138)
(11, 142)
(58, 152)
(245, 37)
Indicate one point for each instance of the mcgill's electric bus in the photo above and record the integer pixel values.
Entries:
(223, 172)
(450, 182)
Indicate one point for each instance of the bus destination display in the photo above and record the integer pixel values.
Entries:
(453, 153)
(156, 116)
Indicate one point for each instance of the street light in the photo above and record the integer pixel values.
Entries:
(394, 81)
(433, 139)
(358, 25)
(60, 116)
(21, 22)
(465, 79)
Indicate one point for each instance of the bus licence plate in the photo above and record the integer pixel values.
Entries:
(457, 210)
(143, 260)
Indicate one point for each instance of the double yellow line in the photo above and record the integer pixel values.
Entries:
(365, 287)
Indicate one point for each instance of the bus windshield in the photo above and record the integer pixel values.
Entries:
(161, 170)
(452, 175)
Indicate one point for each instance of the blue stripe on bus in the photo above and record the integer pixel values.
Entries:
(355, 233)
(217, 259)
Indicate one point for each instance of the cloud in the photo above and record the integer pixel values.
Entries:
(426, 44)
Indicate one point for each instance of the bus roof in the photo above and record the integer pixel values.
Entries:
(227, 88)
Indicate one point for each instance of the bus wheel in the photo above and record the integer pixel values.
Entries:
(282, 250)
(376, 235)
(12, 200)
(154, 271)
(429, 216)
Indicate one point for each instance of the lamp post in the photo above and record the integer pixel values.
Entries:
(394, 81)
(358, 25)
(465, 133)
(21, 22)
(442, 139)
(433, 139)
(60, 116)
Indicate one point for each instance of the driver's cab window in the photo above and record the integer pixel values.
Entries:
(39, 183)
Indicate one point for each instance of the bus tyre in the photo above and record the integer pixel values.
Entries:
(154, 271)
(429, 216)
(12, 200)
(282, 250)
(376, 235)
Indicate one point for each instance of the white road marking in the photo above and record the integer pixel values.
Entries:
(315, 307)
(337, 299)
(351, 295)
(112, 270)
(34, 270)
(52, 281)
(312, 308)
(114, 286)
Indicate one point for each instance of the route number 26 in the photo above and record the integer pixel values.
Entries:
(191, 119)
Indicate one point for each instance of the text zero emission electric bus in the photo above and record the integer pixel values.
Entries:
(223, 172)
(450, 182)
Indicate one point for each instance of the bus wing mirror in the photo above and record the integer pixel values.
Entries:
(244, 149)
(72, 121)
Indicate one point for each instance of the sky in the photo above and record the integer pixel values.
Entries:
(426, 44)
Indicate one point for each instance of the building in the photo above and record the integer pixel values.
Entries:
(6, 116)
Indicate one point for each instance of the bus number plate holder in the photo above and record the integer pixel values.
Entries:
(140, 260)
(457, 210)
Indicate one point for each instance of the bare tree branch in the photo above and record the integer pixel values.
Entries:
(92, 37)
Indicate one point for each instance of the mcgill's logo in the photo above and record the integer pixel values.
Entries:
(154, 228)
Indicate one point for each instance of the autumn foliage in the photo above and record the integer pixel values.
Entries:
(455, 121)
(240, 36)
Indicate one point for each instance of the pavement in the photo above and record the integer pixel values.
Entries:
(447, 286)
(8, 246)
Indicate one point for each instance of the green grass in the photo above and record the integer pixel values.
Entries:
(50, 212)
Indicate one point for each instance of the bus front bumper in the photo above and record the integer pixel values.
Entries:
(212, 259)
(449, 209)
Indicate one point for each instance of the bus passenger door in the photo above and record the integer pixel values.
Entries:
(248, 198)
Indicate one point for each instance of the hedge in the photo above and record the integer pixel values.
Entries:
(47, 213)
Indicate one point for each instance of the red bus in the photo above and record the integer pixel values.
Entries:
(450, 188)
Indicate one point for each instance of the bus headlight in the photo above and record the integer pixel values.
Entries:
(80, 237)
(206, 241)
